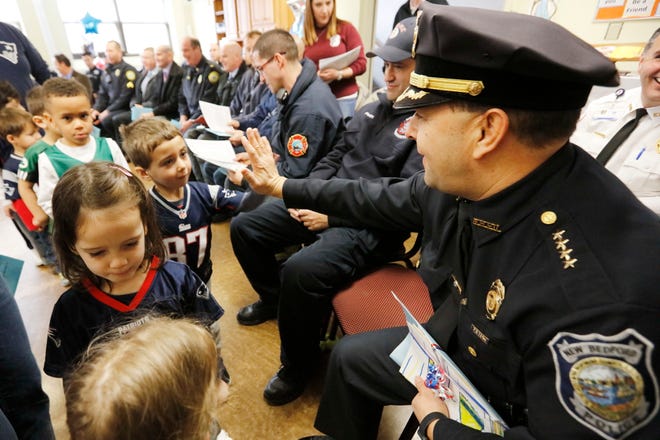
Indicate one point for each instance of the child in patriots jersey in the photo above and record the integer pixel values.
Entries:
(184, 209)
(107, 239)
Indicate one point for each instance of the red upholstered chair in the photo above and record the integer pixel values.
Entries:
(367, 304)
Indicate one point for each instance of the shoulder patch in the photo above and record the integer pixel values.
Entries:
(297, 145)
(130, 85)
(130, 75)
(214, 77)
(606, 382)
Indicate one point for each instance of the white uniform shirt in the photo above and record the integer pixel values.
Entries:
(637, 160)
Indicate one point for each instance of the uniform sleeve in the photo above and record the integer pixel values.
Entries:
(240, 96)
(331, 162)
(255, 118)
(103, 97)
(209, 91)
(127, 84)
(310, 137)
(389, 203)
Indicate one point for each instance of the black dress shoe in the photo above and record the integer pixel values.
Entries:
(282, 388)
(256, 313)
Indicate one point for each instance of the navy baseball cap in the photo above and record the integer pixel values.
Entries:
(398, 46)
(500, 58)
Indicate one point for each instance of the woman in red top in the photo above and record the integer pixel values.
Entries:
(327, 36)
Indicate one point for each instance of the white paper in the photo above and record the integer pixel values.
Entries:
(217, 116)
(419, 355)
(340, 61)
(220, 153)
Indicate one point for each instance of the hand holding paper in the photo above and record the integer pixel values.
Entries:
(217, 117)
(426, 401)
(341, 61)
(419, 355)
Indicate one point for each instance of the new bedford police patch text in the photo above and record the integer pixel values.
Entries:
(606, 382)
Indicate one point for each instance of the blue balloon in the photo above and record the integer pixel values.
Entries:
(90, 23)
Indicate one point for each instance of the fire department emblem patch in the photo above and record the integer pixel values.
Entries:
(400, 131)
(606, 382)
(297, 145)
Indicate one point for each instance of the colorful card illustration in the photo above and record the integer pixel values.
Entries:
(420, 355)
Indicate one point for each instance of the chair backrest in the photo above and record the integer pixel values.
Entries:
(367, 304)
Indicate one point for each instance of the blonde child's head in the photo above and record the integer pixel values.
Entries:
(158, 381)
(17, 127)
(95, 192)
(142, 137)
(68, 110)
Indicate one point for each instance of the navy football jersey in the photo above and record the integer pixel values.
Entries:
(84, 311)
(186, 224)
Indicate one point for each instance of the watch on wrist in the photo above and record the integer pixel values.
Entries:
(426, 421)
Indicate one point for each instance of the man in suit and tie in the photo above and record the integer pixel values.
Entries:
(622, 130)
(168, 84)
(161, 93)
(63, 67)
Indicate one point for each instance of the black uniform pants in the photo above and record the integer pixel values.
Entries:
(107, 125)
(304, 284)
(360, 380)
(119, 119)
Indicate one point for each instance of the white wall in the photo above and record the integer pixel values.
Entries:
(41, 22)
(578, 17)
(373, 18)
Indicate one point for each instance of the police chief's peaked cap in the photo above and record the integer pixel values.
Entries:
(398, 46)
(502, 59)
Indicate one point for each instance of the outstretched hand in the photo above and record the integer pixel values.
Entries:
(263, 177)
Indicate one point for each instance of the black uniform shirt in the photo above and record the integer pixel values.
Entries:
(572, 256)
(199, 84)
(117, 87)
(309, 123)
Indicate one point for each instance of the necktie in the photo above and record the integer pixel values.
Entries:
(164, 77)
(463, 241)
(619, 137)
